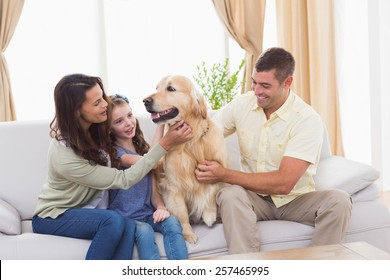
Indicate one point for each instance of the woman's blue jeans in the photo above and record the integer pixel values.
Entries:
(112, 234)
(174, 242)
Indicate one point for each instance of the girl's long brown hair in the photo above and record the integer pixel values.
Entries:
(69, 95)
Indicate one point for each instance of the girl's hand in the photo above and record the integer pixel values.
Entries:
(160, 215)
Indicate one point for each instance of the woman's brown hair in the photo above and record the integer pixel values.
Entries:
(69, 95)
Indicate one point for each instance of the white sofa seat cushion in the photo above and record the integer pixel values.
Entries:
(336, 172)
(10, 222)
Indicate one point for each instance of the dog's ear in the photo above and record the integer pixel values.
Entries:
(200, 103)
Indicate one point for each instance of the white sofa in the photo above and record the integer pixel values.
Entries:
(23, 167)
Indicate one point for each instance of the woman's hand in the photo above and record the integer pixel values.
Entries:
(178, 133)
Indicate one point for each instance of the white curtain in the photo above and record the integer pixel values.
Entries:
(363, 42)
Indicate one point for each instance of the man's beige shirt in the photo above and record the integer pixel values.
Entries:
(294, 130)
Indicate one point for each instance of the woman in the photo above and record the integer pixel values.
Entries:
(73, 202)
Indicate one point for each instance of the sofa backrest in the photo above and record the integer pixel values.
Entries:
(23, 159)
(326, 150)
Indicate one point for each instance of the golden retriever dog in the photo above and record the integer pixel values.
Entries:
(176, 98)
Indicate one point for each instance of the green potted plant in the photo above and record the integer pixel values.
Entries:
(217, 84)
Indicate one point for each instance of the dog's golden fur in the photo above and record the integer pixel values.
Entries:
(176, 99)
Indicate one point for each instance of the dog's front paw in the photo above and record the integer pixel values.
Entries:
(189, 235)
(209, 217)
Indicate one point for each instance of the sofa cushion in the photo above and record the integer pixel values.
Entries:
(336, 172)
(10, 222)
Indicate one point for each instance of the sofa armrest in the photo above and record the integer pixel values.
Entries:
(336, 172)
(10, 222)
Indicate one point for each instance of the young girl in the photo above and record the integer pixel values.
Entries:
(72, 202)
(142, 202)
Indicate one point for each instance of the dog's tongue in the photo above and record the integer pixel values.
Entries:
(155, 115)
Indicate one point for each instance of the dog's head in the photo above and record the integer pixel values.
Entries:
(176, 98)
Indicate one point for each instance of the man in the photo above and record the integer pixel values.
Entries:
(280, 139)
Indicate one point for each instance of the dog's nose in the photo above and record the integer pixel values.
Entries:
(147, 100)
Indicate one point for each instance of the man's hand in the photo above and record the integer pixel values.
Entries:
(210, 173)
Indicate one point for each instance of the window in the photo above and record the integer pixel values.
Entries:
(52, 39)
(130, 44)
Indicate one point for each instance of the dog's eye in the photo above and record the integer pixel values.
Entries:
(171, 88)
